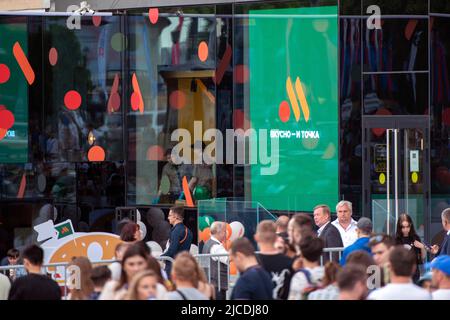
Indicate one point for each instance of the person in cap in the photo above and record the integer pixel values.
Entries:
(440, 268)
(364, 231)
(425, 281)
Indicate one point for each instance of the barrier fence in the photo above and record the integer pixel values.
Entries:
(60, 271)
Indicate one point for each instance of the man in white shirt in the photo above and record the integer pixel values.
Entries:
(218, 264)
(344, 223)
(440, 267)
(402, 265)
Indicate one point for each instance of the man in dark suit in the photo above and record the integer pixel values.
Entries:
(444, 248)
(327, 232)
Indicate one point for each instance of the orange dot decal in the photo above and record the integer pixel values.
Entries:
(6, 119)
(96, 153)
(284, 111)
(72, 100)
(96, 20)
(114, 98)
(135, 101)
(23, 62)
(203, 51)
(241, 74)
(177, 99)
(155, 153)
(153, 14)
(4, 73)
(53, 56)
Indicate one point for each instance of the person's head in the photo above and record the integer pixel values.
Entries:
(344, 212)
(219, 230)
(380, 245)
(135, 259)
(242, 251)
(130, 232)
(185, 270)
(282, 242)
(361, 258)
(322, 215)
(13, 256)
(83, 289)
(330, 273)
(402, 262)
(266, 233)
(425, 281)
(33, 257)
(176, 215)
(169, 157)
(405, 227)
(99, 276)
(445, 217)
(154, 266)
(282, 224)
(120, 250)
(352, 283)
(143, 286)
(311, 248)
(364, 227)
(300, 224)
(440, 268)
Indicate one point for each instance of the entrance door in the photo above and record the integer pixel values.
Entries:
(396, 171)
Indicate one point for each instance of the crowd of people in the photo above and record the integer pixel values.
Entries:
(289, 262)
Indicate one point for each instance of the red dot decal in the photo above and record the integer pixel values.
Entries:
(72, 100)
(135, 101)
(4, 73)
(53, 56)
(284, 111)
(153, 14)
(177, 99)
(155, 153)
(96, 153)
(6, 119)
(203, 51)
(97, 20)
(241, 73)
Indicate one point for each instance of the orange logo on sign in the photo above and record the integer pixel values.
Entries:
(295, 94)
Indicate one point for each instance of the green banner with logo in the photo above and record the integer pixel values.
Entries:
(293, 61)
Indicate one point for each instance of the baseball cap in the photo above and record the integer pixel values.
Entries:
(441, 263)
(426, 277)
(365, 225)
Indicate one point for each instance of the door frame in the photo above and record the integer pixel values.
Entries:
(396, 122)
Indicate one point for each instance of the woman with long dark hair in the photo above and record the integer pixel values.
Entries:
(407, 236)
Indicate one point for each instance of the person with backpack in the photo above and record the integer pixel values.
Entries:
(308, 278)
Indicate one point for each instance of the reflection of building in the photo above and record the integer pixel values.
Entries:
(392, 83)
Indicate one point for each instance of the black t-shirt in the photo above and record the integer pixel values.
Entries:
(34, 287)
(410, 241)
(253, 284)
(279, 267)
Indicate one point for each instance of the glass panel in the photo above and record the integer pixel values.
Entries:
(396, 94)
(398, 6)
(400, 45)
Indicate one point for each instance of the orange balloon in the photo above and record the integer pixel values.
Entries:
(227, 244)
(229, 231)
(205, 235)
(233, 270)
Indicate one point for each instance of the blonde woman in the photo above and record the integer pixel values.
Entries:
(143, 286)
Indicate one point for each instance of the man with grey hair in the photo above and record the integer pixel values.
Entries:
(444, 248)
(344, 223)
(218, 265)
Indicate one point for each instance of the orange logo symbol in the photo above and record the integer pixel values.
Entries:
(294, 92)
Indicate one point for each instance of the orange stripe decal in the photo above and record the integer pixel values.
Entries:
(302, 98)
(187, 193)
(292, 98)
(23, 184)
(226, 59)
(23, 62)
(136, 89)
(205, 91)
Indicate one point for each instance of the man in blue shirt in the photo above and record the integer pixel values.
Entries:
(254, 282)
(363, 230)
(180, 236)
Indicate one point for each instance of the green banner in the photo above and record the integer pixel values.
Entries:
(294, 96)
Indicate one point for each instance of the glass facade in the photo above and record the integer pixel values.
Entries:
(94, 129)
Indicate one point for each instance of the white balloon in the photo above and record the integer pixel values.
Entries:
(142, 229)
(95, 252)
(237, 230)
(194, 249)
(154, 246)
